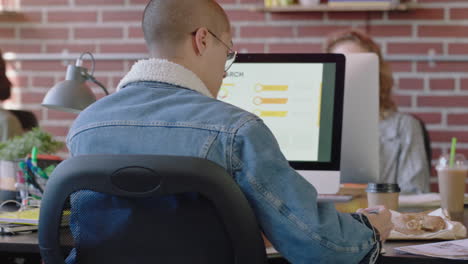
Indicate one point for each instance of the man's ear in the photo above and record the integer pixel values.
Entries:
(200, 41)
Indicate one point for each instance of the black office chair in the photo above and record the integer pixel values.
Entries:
(211, 223)
(427, 140)
(27, 119)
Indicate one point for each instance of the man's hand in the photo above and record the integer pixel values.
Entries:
(380, 219)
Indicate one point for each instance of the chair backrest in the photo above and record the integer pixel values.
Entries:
(222, 214)
(27, 119)
(427, 140)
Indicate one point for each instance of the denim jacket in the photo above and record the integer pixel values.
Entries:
(163, 108)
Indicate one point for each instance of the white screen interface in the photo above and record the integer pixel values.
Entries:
(287, 96)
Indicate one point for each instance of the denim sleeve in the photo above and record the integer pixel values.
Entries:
(285, 204)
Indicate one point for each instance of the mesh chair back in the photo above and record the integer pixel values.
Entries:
(147, 209)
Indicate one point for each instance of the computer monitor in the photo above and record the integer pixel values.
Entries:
(300, 98)
(360, 140)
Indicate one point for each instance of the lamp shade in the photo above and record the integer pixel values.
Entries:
(71, 95)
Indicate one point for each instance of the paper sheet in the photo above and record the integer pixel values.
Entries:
(457, 249)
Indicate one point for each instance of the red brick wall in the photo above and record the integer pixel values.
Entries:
(437, 92)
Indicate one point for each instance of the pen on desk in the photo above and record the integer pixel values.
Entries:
(36, 169)
(29, 175)
(22, 188)
(34, 156)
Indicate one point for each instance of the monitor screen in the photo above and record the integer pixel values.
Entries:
(296, 96)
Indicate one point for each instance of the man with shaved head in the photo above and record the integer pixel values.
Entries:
(183, 32)
(167, 105)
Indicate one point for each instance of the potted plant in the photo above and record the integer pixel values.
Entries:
(20, 146)
(17, 148)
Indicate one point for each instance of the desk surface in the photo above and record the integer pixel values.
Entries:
(392, 257)
(22, 243)
(28, 243)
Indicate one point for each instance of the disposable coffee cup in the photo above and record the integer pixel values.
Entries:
(309, 2)
(385, 194)
(452, 185)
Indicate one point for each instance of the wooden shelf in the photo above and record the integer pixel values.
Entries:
(8, 13)
(326, 8)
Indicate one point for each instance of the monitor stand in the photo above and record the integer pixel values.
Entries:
(325, 182)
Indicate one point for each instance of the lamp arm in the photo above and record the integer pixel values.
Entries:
(91, 78)
(79, 61)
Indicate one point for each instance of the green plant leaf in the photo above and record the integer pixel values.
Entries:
(20, 146)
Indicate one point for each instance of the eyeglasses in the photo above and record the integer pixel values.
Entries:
(231, 56)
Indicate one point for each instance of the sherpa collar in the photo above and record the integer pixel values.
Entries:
(160, 70)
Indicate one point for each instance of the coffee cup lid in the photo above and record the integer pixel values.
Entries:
(459, 162)
(382, 187)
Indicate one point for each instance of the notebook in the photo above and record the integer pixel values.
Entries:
(15, 228)
(28, 217)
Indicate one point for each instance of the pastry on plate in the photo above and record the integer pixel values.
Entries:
(418, 223)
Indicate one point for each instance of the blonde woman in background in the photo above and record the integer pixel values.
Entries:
(403, 157)
(10, 126)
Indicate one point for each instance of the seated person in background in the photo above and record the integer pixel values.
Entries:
(10, 126)
(167, 105)
(403, 158)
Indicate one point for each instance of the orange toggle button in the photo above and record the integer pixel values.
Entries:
(259, 100)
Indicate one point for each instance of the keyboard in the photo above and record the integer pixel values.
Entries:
(334, 198)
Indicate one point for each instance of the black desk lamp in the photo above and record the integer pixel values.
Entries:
(73, 95)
